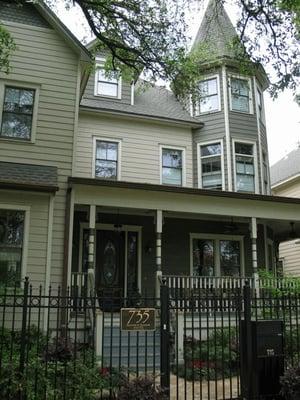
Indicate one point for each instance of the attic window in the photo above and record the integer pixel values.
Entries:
(108, 85)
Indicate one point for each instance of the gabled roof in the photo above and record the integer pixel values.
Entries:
(153, 102)
(56, 23)
(216, 30)
(286, 168)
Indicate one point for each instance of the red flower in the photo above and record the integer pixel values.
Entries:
(104, 371)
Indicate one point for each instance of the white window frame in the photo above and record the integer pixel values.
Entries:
(126, 229)
(199, 166)
(21, 85)
(183, 169)
(198, 111)
(110, 140)
(241, 77)
(100, 65)
(261, 114)
(256, 185)
(26, 210)
(266, 189)
(216, 238)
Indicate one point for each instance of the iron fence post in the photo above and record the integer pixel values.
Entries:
(23, 333)
(248, 341)
(165, 339)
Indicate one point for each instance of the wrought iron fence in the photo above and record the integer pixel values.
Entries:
(71, 345)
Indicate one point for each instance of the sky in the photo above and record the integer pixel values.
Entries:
(282, 114)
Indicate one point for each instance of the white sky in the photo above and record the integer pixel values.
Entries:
(282, 114)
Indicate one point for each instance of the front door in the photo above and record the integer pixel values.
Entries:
(110, 262)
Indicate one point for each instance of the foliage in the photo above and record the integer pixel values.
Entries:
(7, 47)
(213, 358)
(54, 368)
(141, 388)
(290, 384)
(151, 36)
(291, 284)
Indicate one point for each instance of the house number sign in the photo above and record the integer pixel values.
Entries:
(138, 319)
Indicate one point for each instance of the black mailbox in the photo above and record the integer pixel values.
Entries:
(262, 367)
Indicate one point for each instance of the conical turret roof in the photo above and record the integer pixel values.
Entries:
(216, 31)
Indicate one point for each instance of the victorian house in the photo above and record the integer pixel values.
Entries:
(104, 183)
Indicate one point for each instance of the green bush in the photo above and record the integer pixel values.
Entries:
(141, 388)
(290, 384)
(212, 358)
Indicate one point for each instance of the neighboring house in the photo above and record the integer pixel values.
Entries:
(98, 176)
(285, 181)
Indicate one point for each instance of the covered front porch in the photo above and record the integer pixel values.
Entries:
(124, 238)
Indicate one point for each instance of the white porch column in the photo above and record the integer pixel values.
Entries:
(158, 225)
(91, 257)
(254, 250)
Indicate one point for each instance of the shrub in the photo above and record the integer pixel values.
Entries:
(141, 388)
(290, 383)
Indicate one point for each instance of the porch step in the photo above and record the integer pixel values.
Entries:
(133, 350)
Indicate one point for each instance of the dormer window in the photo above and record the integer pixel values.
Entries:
(240, 95)
(108, 85)
(209, 94)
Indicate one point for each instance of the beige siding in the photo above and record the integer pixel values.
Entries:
(290, 253)
(38, 230)
(289, 190)
(140, 146)
(43, 57)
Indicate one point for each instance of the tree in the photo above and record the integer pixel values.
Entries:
(150, 35)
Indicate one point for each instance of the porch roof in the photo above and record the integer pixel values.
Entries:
(144, 196)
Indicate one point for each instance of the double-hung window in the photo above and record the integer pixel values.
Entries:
(211, 174)
(17, 112)
(107, 84)
(172, 166)
(209, 100)
(240, 95)
(265, 173)
(11, 245)
(244, 167)
(260, 105)
(107, 159)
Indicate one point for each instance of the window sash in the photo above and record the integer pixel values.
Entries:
(17, 113)
(245, 167)
(106, 159)
(211, 166)
(209, 96)
(172, 171)
(240, 95)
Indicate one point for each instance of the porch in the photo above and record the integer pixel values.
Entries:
(129, 237)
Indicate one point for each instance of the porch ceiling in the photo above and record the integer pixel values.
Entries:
(185, 200)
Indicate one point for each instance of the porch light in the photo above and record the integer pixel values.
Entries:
(118, 227)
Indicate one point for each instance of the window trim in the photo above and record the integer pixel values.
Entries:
(199, 166)
(21, 85)
(245, 78)
(110, 140)
(256, 184)
(261, 115)
(197, 104)
(265, 163)
(100, 65)
(26, 209)
(216, 238)
(183, 169)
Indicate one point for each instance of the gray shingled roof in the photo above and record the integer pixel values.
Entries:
(154, 102)
(216, 30)
(41, 176)
(285, 168)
